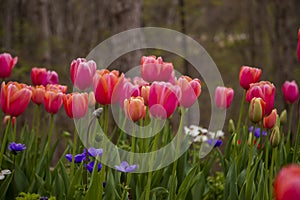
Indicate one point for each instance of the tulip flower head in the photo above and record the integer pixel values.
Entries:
(163, 99)
(264, 90)
(223, 97)
(287, 183)
(249, 75)
(82, 73)
(7, 63)
(38, 93)
(104, 85)
(270, 120)
(256, 109)
(76, 104)
(155, 69)
(290, 91)
(14, 98)
(190, 91)
(134, 108)
(40, 76)
(53, 100)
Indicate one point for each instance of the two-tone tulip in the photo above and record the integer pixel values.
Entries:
(14, 98)
(38, 93)
(257, 109)
(53, 101)
(134, 108)
(76, 104)
(270, 120)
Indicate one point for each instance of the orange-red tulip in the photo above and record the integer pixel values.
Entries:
(14, 98)
(53, 100)
(270, 120)
(76, 104)
(135, 108)
(249, 75)
(104, 85)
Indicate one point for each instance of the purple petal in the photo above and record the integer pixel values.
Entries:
(124, 164)
(69, 157)
(131, 168)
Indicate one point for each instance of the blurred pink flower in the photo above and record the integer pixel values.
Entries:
(223, 97)
(190, 91)
(7, 63)
(290, 91)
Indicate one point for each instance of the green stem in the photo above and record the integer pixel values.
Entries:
(15, 130)
(13, 178)
(248, 183)
(290, 125)
(102, 172)
(74, 152)
(37, 117)
(241, 111)
(274, 153)
(173, 189)
(50, 134)
(295, 156)
(3, 145)
(148, 186)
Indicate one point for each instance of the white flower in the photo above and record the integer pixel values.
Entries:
(3, 173)
(200, 138)
(218, 134)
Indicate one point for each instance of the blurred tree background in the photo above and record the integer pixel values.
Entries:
(260, 33)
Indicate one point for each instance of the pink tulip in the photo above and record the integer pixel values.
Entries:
(163, 99)
(249, 75)
(7, 63)
(298, 47)
(290, 91)
(76, 104)
(223, 97)
(190, 91)
(104, 85)
(14, 98)
(57, 88)
(264, 90)
(38, 76)
(153, 69)
(82, 73)
(287, 183)
(38, 93)
(52, 78)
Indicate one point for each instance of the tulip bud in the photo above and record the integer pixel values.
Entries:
(283, 117)
(290, 91)
(231, 126)
(256, 109)
(270, 120)
(275, 137)
(234, 139)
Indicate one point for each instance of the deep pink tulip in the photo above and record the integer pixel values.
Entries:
(290, 91)
(53, 100)
(82, 73)
(287, 183)
(223, 97)
(298, 47)
(163, 99)
(38, 76)
(52, 78)
(14, 98)
(249, 75)
(7, 63)
(76, 104)
(104, 85)
(153, 69)
(264, 90)
(190, 91)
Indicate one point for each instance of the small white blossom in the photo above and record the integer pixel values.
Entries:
(200, 138)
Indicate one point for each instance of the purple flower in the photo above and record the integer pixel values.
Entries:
(16, 147)
(125, 167)
(90, 166)
(216, 142)
(256, 132)
(77, 158)
(95, 152)
(44, 198)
